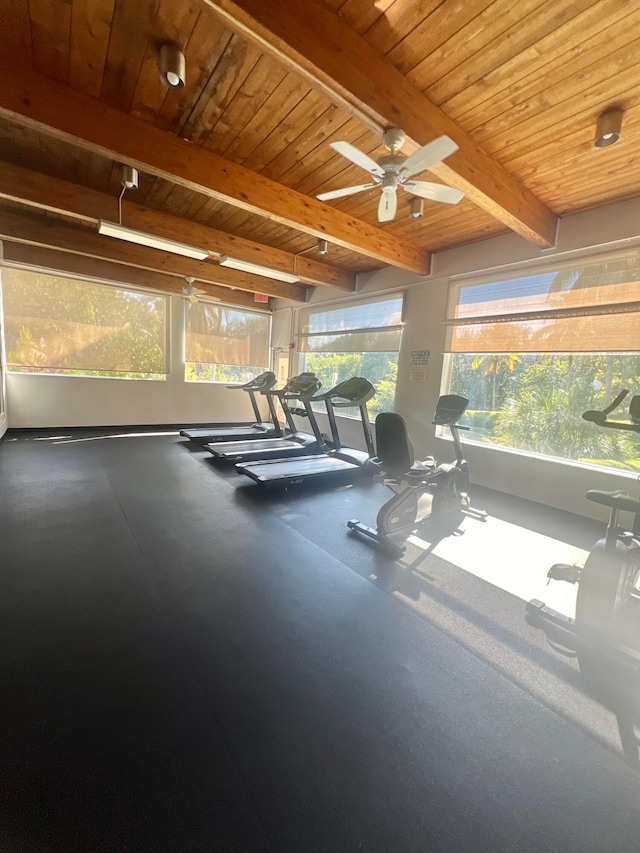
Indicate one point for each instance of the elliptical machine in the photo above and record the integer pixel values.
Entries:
(605, 633)
(422, 490)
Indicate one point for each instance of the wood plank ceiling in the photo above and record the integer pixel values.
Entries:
(524, 83)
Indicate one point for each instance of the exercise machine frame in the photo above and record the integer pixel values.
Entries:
(422, 490)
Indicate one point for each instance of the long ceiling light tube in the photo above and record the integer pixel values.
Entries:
(257, 269)
(152, 241)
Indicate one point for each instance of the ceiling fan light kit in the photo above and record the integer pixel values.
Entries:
(608, 128)
(393, 171)
(257, 269)
(172, 66)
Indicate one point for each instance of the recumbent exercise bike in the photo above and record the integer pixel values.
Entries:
(423, 491)
(605, 633)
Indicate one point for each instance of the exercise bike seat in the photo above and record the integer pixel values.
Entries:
(393, 446)
(616, 500)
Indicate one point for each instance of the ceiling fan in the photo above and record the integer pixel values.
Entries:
(190, 292)
(393, 171)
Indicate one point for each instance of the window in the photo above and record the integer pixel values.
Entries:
(360, 339)
(532, 352)
(225, 344)
(61, 326)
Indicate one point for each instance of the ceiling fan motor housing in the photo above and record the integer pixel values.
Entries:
(393, 139)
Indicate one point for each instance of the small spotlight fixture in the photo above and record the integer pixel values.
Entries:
(172, 66)
(128, 177)
(323, 247)
(416, 208)
(608, 128)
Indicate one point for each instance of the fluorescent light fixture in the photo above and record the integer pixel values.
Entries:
(112, 229)
(257, 269)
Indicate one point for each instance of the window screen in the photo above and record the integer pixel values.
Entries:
(58, 325)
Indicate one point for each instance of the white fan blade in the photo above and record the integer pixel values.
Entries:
(434, 192)
(358, 157)
(387, 207)
(345, 191)
(427, 156)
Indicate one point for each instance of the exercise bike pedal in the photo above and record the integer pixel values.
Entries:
(564, 572)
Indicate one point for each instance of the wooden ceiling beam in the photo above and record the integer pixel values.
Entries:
(43, 192)
(34, 101)
(66, 263)
(52, 233)
(321, 46)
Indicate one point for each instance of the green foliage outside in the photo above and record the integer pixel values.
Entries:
(380, 368)
(231, 373)
(73, 328)
(534, 402)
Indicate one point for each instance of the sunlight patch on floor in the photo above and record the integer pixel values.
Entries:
(512, 558)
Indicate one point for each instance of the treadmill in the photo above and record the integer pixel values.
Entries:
(296, 443)
(338, 465)
(260, 429)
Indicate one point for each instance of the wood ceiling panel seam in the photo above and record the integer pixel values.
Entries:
(265, 76)
(512, 41)
(305, 166)
(436, 29)
(478, 100)
(526, 94)
(174, 22)
(308, 141)
(90, 30)
(561, 148)
(336, 172)
(491, 23)
(208, 41)
(399, 22)
(16, 23)
(287, 95)
(231, 70)
(592, 87)
(361, 15)
(290, 129)
(332, 165)
(51, 36)
(131, 27)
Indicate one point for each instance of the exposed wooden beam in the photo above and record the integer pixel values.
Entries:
(67, 263)
(31, 100)
(51, 194)
(315, 42)
(51, 232)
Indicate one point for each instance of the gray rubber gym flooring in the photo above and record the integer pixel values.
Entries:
(190, 664)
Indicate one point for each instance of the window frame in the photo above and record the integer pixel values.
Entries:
(232, 307)
(85, 279)
(575, 260)
(304, 313)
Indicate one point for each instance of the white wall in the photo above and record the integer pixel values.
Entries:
(67, 401)
(558, 484)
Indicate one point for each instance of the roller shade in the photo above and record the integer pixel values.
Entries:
(371, 326)
(216, 334)
(53, 324)
(594, 307)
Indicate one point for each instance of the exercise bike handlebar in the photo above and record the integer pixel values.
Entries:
(600, 417)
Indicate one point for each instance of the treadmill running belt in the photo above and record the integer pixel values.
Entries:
(303, 466)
